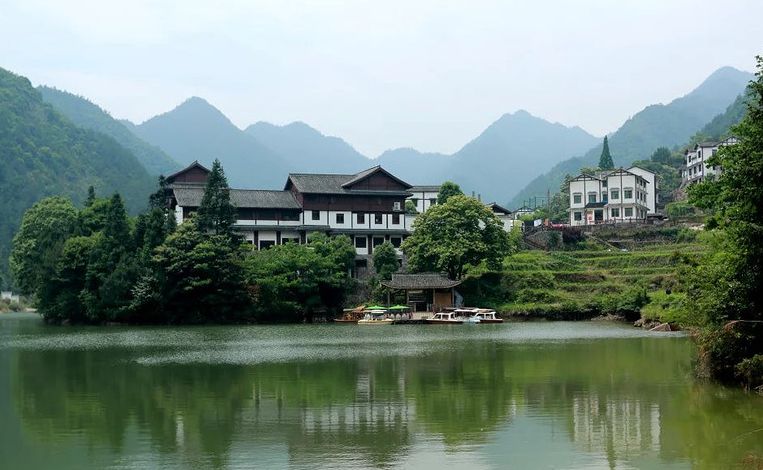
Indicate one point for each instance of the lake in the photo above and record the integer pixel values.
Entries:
(517, 395)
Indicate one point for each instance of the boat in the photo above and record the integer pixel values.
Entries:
(375, 317)
(444, 318)
(486, 315)
(351, 315)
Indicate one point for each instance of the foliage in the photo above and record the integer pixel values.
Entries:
(605, 160)
(44, 154)
(216, 213)
(750, 371)
(40, 240)
(292, 282)
(447, 190)
(200, 278)
(726, 287)
(410, 207)
(450, 236)
(385, 260)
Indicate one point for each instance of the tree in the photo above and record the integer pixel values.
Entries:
(450, 236)
(662, 155)
(605, 161)
(448, 190)
(385, 260)
(40, 240)
(200, 278)
(90, 196)
(725, 289)
(216, 213)
(410, 207)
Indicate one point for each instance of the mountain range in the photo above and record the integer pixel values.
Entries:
(658, 125)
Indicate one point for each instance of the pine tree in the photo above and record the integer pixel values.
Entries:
(216, 213)
(90, 196)
(605, 161)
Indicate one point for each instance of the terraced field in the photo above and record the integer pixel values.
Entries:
(583, 284)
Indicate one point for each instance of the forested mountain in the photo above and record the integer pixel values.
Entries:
(196, 130)
(86, 114)
(44, 154)
(304, 149)
(655, 126)
(511, 151)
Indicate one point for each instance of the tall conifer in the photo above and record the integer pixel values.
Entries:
(216, 213)
(605, 161)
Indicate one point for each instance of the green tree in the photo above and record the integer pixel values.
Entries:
(662, 155)
(605, 161)
(39, 242)
(726, 287)
(90, 196)
(410, 207)
(448, 190)
(200, 278)
(385, 260)
(216, 213)
(450, 236)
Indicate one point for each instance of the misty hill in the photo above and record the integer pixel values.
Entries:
(196, 130)
(659, 125)
(45, 154)
(512, 150)
(416, 167)
(304, 149)
(86, 114)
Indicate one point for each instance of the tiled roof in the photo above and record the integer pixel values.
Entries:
(420, 281)
(496, 208)
(338, 184)
(425, 189)
(247, 198)
(192, 165)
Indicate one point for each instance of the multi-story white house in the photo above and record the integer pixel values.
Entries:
(613, 196)
(697, 168)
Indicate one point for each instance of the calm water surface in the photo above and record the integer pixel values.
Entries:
(533, 395)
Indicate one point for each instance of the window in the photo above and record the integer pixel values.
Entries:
(628, 193)
(360, 218)
(615, 212)
(378, 219)
(614, 194)
(340, 218)
(378, 241)
(604, 183)
(266, 244)
(316, 215)
(577, 215)
(285, 240)
(628, 212)
(360, 242)
(591, 198)
(433, 201)
(395, 219)
(290, 215)
(396, 205)
(577, 198)
(396, 241)
(604, 197)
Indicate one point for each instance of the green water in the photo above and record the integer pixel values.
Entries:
(532, 395)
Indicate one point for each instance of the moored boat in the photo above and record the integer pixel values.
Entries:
(486, 315)
(444, 318)
(375, 317)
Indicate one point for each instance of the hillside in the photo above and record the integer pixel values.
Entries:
(512, 150)
(304, 149)
(659, 125)
(44, 154)
(196, 130)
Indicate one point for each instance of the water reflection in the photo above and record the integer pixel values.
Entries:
(616, 402)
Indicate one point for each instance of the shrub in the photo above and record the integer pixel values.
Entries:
(750, 371)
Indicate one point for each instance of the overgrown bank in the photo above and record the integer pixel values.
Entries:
(583, 284)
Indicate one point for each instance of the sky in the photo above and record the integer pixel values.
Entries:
(429, 74)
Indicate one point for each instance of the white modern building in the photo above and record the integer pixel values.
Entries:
(613, 196)
(697, 167)
(424, 197)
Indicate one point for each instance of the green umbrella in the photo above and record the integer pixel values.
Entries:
(376, 307)
(399, 307)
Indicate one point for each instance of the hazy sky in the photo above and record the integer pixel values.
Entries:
(381, 74)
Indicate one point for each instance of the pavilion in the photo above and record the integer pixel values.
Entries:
(424, 291)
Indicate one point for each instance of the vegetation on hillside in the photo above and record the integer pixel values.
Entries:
(725, 290)
(88, 115)
(44, 154)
